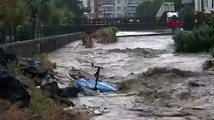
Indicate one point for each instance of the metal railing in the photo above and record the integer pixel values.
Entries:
(109, 21)
(14, 34)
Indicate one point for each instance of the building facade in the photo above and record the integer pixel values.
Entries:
(131, 6)
(86, 4)
(119, 8)
(107, 9)
(111, 8)
(207, 5)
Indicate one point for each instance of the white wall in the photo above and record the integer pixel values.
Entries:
(208, 5)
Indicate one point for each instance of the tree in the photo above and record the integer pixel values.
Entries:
(44, 12)
(12, 14)
(76, 9)
(40, 11)
(72, 8)
(56, 17)
(68, 18)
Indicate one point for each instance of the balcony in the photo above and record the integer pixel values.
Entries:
(187, 1)
(108, 2)
(105, 5)
(130, 11)
(132, 4)
(108, 12)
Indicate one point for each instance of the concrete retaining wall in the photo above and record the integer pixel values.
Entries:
(48, 44)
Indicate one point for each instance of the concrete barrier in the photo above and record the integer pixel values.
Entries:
(42, 45)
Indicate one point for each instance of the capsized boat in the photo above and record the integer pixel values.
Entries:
(89, 84)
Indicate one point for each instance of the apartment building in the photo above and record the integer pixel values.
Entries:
(131, 5)
(107, 8)
(86, 4)
(111, 8)
(94, 6)
(119, 8)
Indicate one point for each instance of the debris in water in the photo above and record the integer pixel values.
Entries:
(97, 112)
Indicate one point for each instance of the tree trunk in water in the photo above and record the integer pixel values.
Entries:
(33, 20)
(34, 25)
(2, 37)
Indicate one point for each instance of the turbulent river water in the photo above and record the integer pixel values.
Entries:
(121, 61)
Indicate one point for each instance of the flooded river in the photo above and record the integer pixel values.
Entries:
(121, 61)
(131, 55)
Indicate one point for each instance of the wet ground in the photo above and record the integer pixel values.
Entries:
(147, 97)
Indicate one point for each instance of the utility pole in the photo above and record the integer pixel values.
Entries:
(96, 8)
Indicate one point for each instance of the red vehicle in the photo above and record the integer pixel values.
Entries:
(173, 20)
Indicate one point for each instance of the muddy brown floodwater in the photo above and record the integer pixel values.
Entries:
(169, 95)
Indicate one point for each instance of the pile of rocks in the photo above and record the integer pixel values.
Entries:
(13, 89)
(10, 87)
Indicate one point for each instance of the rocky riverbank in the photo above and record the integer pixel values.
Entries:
(29, 90)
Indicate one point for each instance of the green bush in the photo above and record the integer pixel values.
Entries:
(199, 40)
(203, 17)
(41, 104)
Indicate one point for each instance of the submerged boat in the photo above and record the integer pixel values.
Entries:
(89, 84)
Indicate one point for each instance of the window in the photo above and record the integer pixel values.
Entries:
(131, 8)
(108, 1)
(109, 8)
(202, 5)
(206, 4)
(212, 3)
(118, 8)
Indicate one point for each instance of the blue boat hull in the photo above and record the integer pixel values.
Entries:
(86, 83)
(101, 86)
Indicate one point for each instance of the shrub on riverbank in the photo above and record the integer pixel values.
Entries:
(87, 41)
(46, 62)
(106, 35)
(103, 36)
(41, 104)
(199, 40)
(15, 113)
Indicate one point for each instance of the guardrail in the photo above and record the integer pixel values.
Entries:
(14, 34)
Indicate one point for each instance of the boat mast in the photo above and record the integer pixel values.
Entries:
(97, 77)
